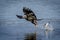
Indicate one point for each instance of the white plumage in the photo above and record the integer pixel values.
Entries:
(48, 27)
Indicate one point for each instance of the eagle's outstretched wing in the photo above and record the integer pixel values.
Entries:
(19, 16)
(47, 19)
(39, 19)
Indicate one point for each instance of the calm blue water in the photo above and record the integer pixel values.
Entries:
(12, 28)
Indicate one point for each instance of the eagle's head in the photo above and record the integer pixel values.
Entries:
(27, 10)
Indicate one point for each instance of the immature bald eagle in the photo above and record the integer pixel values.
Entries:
(28, 15)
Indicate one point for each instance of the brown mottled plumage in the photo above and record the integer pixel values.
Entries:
(28, 15)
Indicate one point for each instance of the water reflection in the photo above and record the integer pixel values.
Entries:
(30, 36)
